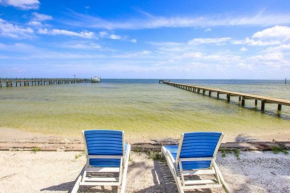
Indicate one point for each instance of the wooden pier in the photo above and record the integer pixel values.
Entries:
(11, 82)
(162, 81)
(242, 96)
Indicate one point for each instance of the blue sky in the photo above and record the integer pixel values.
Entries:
(145, 39)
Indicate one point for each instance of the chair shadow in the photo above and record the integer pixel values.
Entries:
(245, 138)
(164, 181)
(61, 187)
(162, 178)
(67, 186)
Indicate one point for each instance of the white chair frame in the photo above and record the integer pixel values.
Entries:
(83, 180)
(179, 175)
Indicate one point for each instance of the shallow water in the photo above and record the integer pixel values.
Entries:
(142, 108)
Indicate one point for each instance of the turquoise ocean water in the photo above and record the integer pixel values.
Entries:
(142, 108)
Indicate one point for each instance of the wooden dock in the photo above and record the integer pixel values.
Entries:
(242, 96)
(11, 82)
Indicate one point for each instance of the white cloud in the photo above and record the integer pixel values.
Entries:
(19, 48)
(252, 42)
(278, 48)
(83, 34)
(146, 52)
(21, 4)
(274, 32)
(37, 18)
(115, 37)
(103, 33)
(269, 57)
(271, 60)
(34, 23)
(151, 22)
(41, 17)
(65, 55)
(134, 40)
(28, 52)
(268, 37)
(207, 30)
(11, 47)
(245, 66)
(243, 49)
(143, 55)
(166, 44)
(189, 55)
(197, 41)
(14, 31)
(82, 46)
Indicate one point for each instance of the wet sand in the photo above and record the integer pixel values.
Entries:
(10, 134)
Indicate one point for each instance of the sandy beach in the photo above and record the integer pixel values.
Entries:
(48, 172)
(12, 135)
(42, 171)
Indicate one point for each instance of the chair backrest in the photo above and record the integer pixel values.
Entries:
(199, 144)
(104, 142)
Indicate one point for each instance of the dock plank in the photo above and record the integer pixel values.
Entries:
(232, 93)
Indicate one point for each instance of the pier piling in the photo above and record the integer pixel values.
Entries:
(228, 97)
(229, 94)
(243, 101)
(263, 105)
(10, 82)
(279, 107)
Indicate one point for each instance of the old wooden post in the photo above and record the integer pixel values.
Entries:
(9, 83)
(229, 97)
(243, 101)
(279, 107)
(263, 105)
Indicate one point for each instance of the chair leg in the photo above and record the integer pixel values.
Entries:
(181, 170)
(225, 185)
(126, 163)
(174, 174)
(178, 184)
(77, 184)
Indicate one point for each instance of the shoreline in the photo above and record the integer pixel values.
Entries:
(13, 134)
(17, 140)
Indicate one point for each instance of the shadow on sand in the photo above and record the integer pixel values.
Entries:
(161, 175)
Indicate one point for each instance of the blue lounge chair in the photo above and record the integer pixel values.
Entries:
(195, 155)
(106, 152)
